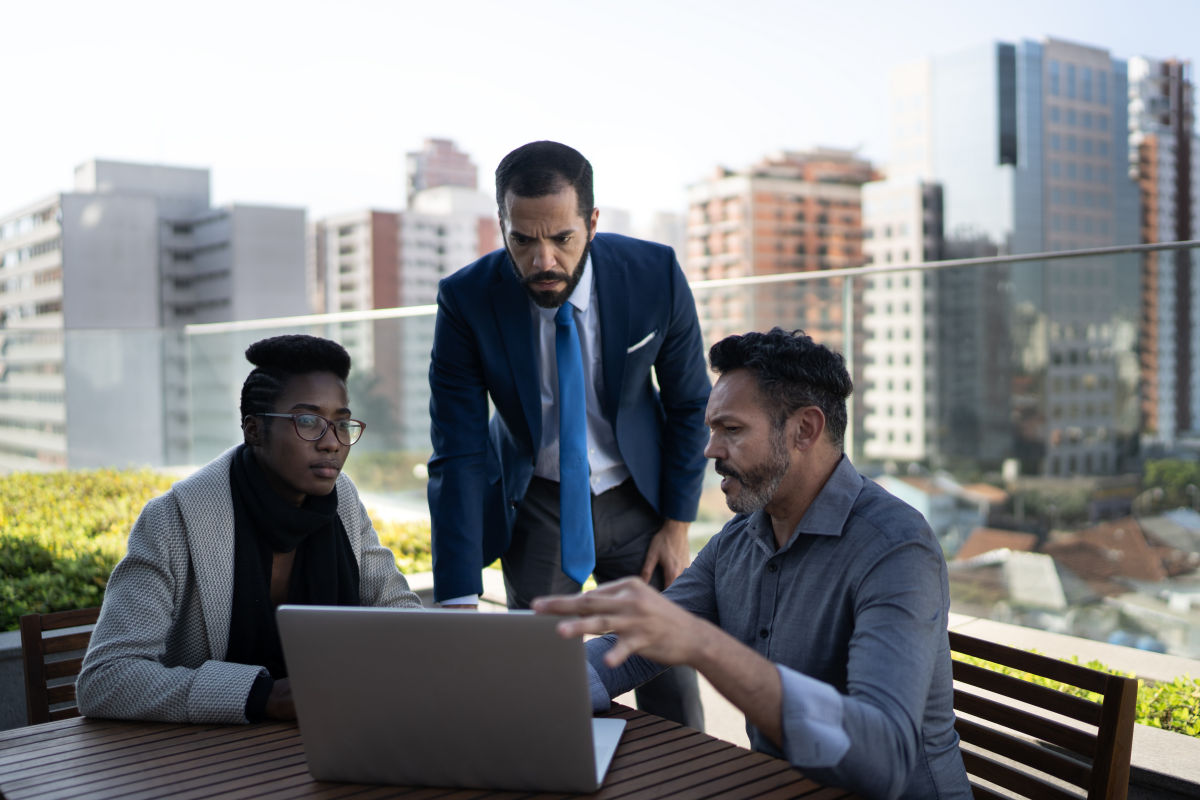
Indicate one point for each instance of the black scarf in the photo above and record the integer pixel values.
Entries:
(324, 571)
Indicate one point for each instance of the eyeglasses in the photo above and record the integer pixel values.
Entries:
(311, 427)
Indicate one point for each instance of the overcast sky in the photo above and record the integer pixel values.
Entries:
(315, 104)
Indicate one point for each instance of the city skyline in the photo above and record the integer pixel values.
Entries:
(315, 106)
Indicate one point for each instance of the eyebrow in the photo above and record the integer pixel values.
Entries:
(317, 409)
(566, 232)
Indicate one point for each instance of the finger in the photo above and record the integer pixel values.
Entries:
(557, 604)
(651, 562)
(624, 647)
(581, 626)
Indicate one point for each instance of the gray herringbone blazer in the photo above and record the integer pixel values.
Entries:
(157, 650)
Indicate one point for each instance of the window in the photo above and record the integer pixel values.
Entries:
(1053, 77)
(1085, 84)
(1071, 119)
(1102, 88)
(1070, 80)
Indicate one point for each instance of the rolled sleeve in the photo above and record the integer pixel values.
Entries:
(813, 735)
(600, 699)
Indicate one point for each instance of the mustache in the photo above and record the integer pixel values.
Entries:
(544, 275)
(725, 471)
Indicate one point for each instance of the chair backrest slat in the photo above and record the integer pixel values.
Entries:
(65, 643)
(1053, 668)
(50, 683)
(1019, 689)
(1056, 733)
(1010, 778)
(1026, 752)
(1011, 741)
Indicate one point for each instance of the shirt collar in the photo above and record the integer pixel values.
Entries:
(829, 510)
(580, 297)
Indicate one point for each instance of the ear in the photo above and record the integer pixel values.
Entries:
(252, 430)
(808, 425)
(592, 223)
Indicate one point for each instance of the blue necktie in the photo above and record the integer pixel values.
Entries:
(575, 493)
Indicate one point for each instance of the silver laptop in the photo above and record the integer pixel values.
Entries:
(432, 697)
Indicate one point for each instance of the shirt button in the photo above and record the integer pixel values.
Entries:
(772, 567)
(764, 633)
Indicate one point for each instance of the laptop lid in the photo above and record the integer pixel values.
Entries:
(432, 697)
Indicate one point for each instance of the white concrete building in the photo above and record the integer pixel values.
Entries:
(902, 222)
(94, 286)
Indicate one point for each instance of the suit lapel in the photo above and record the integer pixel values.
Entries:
(510, 307)
(206, 505)
(613, 293)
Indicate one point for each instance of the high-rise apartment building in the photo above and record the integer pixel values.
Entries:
(1165, 158)
(93, 282)
(439, 162)
(792, 212)
(1029, 144)
(374, 259)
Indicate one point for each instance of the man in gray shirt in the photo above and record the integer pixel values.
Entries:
(819, 610)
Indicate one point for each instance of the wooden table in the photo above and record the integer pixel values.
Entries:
(106, 758)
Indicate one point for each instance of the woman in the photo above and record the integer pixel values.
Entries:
(187, 630)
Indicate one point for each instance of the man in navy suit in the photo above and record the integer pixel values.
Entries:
(494, 485)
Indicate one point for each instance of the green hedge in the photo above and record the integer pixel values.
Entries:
(1172, 706)
(61, 534)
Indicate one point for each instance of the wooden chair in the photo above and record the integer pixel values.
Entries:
(1010, 733)
(52, 660)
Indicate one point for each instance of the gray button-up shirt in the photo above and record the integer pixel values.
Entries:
(852, 610)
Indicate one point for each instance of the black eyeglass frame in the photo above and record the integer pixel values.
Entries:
(362, 426)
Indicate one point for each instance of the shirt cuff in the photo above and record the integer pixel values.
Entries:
(813, 735)
(600, 699)
(465, 600)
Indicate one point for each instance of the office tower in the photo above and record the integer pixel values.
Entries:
(1028, 142)
(1163, 151)
(439, 163)
(88, 281)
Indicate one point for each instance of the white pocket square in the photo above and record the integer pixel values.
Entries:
(642, 343)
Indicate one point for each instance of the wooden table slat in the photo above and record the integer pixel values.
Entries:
(86, 758)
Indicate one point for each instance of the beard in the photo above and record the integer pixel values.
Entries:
(759, 483)
(550, 299)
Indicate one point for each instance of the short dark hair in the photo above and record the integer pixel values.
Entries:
(792, 371)
(278, 359)
(541, 168)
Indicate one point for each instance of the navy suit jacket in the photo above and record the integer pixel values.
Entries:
(485, 346)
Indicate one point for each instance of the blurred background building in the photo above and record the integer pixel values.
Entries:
(134, 249)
